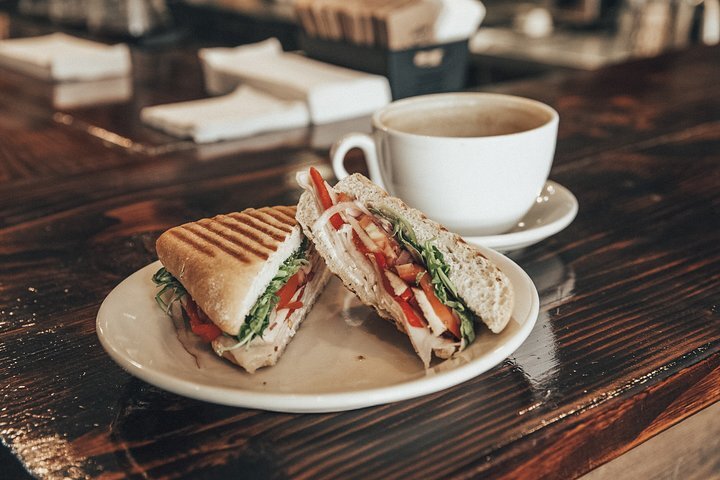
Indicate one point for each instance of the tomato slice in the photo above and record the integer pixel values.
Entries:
(324, 195)
(200, 324)
(206, 331)
(443, 312)
(287, 291)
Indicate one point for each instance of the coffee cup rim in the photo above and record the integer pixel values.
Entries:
(438, 97)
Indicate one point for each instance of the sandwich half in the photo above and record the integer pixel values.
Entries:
(414, 272)
(244, 281)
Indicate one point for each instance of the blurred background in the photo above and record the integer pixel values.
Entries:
(516, 39)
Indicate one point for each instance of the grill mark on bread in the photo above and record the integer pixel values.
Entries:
(248, 231)
(260, 226)
(283, 214)
(212, 238)
(236, 238)
(284, 224)
(261, 223)
(182, 236)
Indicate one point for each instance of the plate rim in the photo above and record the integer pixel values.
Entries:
(323, 402)
(507, 242)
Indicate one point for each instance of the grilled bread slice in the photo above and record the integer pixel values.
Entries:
(226, 263)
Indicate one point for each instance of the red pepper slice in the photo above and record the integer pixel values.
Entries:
(200, 325)
(324, 196)
(362, 248)
(294, 305)
(410, 273)
(297, 303)
(382, 262)
(412, 317)
(407, 295)
(287, 291)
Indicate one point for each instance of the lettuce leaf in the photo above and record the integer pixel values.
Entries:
(167, 283)
(436, 266)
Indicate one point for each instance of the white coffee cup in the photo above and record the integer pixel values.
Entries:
(475, 162)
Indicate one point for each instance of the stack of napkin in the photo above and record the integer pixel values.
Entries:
(60, 57)
(330, 92)
(266, 89)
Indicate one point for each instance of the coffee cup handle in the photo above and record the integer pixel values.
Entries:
(363, 142)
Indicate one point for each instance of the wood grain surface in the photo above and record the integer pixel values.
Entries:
(688, 451)
(627, 343)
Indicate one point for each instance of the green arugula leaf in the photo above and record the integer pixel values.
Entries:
(167, 283)
(259, 317)
(402, 230)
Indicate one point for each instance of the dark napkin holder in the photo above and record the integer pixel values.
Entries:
(415, 71)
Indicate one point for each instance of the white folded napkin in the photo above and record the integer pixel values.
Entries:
(243, 112)
(62, 57)
(331, 93)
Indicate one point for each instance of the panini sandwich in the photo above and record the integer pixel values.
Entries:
(244, 281)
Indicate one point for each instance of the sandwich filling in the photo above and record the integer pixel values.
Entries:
(284, 295)
(410, 279)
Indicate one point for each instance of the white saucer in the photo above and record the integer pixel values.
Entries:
(554, 209)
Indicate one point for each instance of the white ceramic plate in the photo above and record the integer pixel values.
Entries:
(554, 209)
(343, 357)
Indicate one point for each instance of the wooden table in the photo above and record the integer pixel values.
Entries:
(627, 343)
